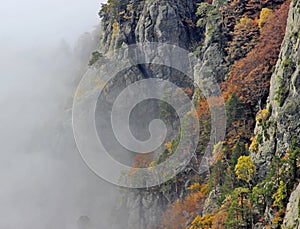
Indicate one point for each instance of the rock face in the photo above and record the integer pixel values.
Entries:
(291, 219)
(284, 99)
(152, 21)
(172, 22)
(144, 209)
(282, 127)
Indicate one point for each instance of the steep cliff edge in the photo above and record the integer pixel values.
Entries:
(279, 131)
(129, 22)
(173, 22)
(238, 43)
(283, 101)
(291, 219)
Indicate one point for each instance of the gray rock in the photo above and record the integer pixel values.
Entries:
(292, 217)
(283, 122)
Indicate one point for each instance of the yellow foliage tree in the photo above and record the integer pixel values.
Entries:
(169, 146)
(280, 195)
(264, 14)
(245, 23)
(262, 115)
(203, 222)
(245, 168)
(254, 145)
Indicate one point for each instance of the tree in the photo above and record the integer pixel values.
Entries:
(280, 201)
(245, 168)
(141, 161)
(251, 75)
(95, 57)
(239, 212)
(207, 13)
(264, 14)
(219, 220)
(280, 195)
(182, 211)
(238, 151)
(244, 37)
(202, 222)
(234, 108)
(217, 175)
(233, 11)
(259, 198)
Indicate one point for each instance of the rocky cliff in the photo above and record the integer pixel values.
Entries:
(280, 131)
(230, 39)
(150, 21)
(283, 101)
(291, 219)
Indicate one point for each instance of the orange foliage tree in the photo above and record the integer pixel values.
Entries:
(219, 220)
(251, 75)
(141, 161)
(181, 212)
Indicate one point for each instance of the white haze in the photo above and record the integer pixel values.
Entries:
(43, 21)
(44, 182)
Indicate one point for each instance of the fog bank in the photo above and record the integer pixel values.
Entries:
(44, 182)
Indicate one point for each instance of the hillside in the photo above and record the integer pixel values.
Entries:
(251, 50)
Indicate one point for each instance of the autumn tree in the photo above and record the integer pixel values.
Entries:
(181, 212)
(141, 161)
(202, 222)
(219, 219)
(245, 169)
(252, 74)
(232, 12)
(244, 37)
(280, 195)
(264, 14)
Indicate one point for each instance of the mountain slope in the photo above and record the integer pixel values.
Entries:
(239, 46)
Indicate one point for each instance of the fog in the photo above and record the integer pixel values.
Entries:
(44, 182)
(40, 22)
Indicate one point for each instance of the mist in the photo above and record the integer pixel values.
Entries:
(45, 47)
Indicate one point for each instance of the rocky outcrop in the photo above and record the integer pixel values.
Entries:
(280, 128)
(145, 209)
(131, 22)
(172, 22)
(292, 215)
(282, 125)
(151, 21)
